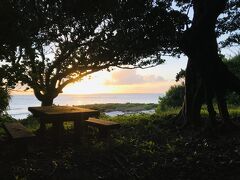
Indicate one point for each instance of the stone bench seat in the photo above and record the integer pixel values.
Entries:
(104, 126)
(17, 131)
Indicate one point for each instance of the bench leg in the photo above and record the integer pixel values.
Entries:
(42, 128)
(103, 133)
(78, 127)
(58, 128)
(80, 131)
(23, 146)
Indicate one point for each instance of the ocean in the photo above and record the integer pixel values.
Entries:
(19, 104)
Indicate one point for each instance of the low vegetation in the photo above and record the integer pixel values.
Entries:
(173, 98)
(128, 107)
(145, 147)
(4, 99)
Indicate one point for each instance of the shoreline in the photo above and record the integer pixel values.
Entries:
(109, 109)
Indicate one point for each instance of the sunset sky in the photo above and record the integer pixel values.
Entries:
(152, 80)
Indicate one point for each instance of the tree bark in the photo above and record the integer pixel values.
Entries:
(47, 101)
(47, 97)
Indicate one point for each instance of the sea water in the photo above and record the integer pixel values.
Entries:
(19, 103)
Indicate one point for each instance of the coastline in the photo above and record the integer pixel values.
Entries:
(108, 109)
(110, 103)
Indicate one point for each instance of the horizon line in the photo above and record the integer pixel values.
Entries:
(31, 94)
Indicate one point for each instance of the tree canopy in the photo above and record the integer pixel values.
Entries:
(61, 44)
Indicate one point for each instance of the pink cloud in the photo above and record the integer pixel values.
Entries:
(125, 77)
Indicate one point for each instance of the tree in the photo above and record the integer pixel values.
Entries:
(173, 98)
(4, 93)
(62, 43)
(175, 95)
(205, 70)
(4, 96)
(9, 37)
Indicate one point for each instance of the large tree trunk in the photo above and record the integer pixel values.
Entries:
(205, 70)
(47, 101)
(193, 99)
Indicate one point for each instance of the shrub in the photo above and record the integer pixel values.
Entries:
(173, 98)
(234, 66)
(4, 99)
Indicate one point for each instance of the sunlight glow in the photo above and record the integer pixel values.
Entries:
(92, 85)
(117, 82)
(97, 85)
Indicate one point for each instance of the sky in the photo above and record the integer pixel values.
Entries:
(151, 80)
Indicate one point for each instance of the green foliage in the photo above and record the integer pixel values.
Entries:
(4, 99)
(3, 119)
(126, 107)
(30, 122)
(6, 118)
(229, 22)
(180, 75)
(173, 98)
(233, 99)
(146, 147)
(234, 66)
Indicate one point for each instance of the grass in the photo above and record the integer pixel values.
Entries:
(127, 107)
(145, 147)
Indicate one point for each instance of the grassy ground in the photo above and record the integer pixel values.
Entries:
(128, 107)
(145, 147)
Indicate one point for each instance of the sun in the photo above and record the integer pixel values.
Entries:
(90, 85)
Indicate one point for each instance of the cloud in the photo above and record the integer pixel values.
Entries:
(126, 77)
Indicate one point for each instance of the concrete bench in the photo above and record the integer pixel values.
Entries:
(17, 131)
(104, 126)
(20, 136)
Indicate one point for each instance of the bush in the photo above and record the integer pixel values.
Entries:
(233, 99)
(234, 66)
(4, 99)
(173, 98)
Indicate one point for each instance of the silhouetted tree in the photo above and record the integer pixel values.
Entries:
(9, 38)
(65, 41)
(205, 70)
